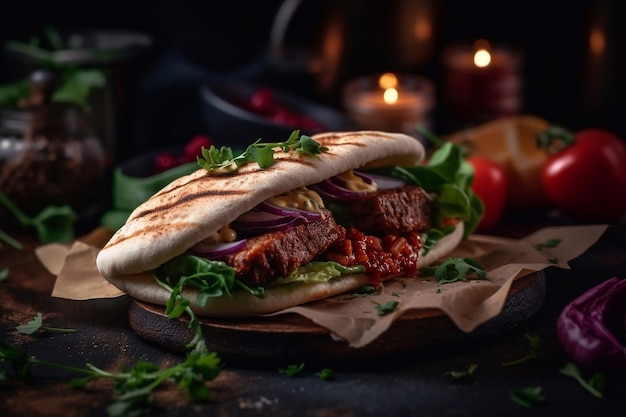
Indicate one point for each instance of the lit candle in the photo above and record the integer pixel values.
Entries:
(481, 82)
(390, 102)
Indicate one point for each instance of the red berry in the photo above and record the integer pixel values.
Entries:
(262, 101)
(283, 116)
(165, 161)
(193, 147)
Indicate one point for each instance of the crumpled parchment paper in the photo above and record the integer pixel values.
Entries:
(354, 319)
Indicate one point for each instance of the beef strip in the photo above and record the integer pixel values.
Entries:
(279, 253)
(392, 211)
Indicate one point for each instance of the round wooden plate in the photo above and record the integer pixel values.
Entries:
(291, 337)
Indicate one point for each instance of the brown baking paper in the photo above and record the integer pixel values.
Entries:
(354, 319)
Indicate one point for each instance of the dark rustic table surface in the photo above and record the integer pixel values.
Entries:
(410, 384)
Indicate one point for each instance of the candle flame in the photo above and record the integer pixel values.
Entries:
(482, 57)
(390, 96)
(388, 80)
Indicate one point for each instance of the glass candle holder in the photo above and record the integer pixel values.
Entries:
(481, 82)
(390, 102)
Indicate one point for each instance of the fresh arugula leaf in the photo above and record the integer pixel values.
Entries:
(595, 384)
(536, 351)
(385, 308)
(292, 370)
(435, 235)
(527, 397)
(462, 375)
(223, 160)
(4, 273)
(36, 324)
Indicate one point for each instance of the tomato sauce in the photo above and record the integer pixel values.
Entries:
(382, 257)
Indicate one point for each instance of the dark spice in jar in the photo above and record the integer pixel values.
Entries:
(49, 155)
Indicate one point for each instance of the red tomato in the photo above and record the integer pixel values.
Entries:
(490, 184)
(587, 178)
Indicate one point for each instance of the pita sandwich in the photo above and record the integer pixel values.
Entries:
(284, 234)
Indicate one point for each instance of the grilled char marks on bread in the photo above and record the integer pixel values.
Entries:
(277, 254)
(394, 211)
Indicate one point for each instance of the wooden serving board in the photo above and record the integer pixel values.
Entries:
(290, 337)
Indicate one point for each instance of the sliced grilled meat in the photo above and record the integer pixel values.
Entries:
(394, 211)
(279, 253)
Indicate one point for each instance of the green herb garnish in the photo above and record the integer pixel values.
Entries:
(536, 351)
(292, 370)
(455, 269)
(527, 397)
(223, 160)
(550, 243)
(36, 324)
(462, 375)
(595, 384)
(135, 387)
(325, 374)
(385, 308)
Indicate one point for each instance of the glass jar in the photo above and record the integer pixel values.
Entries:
(49, 155)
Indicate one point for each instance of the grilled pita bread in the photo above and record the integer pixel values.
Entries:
(194, 207)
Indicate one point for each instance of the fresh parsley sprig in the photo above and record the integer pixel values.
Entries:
(223, 159)
(134, 388)
(455, 269)
(595, 384)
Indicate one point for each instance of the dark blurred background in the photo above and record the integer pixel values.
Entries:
(327, 42)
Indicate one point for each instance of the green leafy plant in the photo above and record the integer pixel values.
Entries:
(223, 160)
(74, 83)
(36, 325)
(52, 224)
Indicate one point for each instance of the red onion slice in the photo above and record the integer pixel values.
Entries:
(382, 182)
(254, 229)
(335, 187)
(214, 250)
(289, 211)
